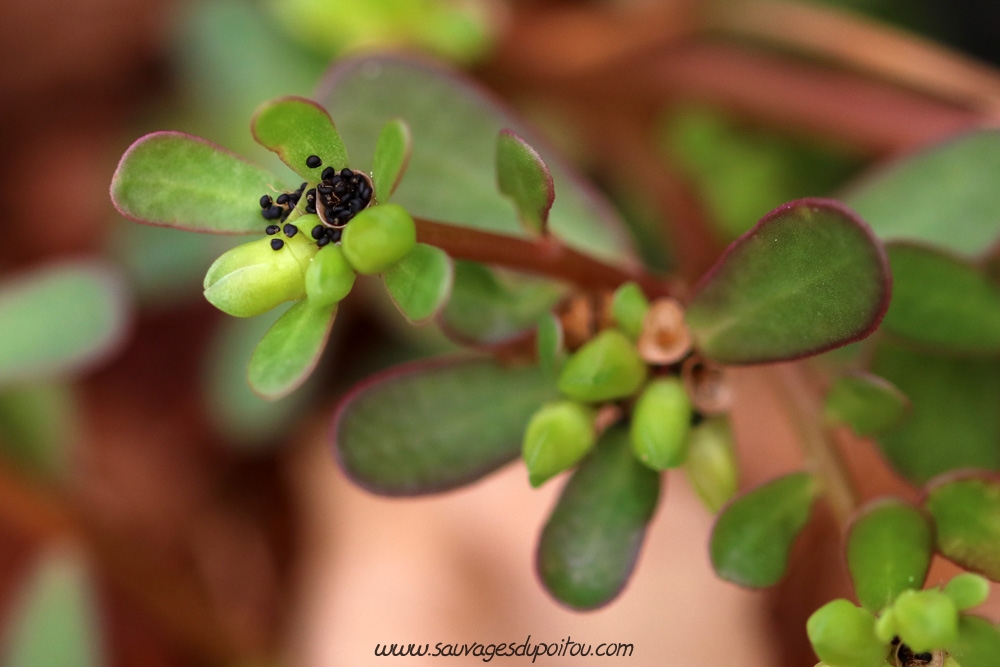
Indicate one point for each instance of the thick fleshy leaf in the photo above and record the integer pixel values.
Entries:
(889, 549)
(711, 465)
(967, 514)
(954, 423)
(754, 534)
(484, 309)
(944, 195)
(843, 635)
(810, 276)
(455, 126)
(392, 154)
(59, 319)
(592, 539)
(378, 237)
(942, 302)
(55, 619)
(429, 427)
(607, 367)
(925, 620)
(421, 282)
(173, 179)
(629, 307)
(37, 423)
(557, 437)
(296, 128)
(549, 339)
(866, 403)
(523, 177)
(967, 590)
(290, 349)
(978, 642)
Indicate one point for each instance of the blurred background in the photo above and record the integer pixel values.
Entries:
(153, 511)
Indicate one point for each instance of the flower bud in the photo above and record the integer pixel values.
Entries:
(844, 635)
(925, 620)
(629, 306)
(558, 436)
(711, 465)
(253, 278)
(967, 590)
(329, 277)
(378, 237)
(606, 368)
(660, 423)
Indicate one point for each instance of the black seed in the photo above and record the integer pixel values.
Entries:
(294, 198)
(355, 205)
(365, 191)
(272, 213)
(328, 173)
(277, 244)
(313, 161)
(340, 188)
(310, 208)
(322, 241)
(335, 235)
(265, 201)
(318, 231)
(291, 230)
(311, 195)
(272, 230)
(324, 189)
(346, 173)
(282, 198)
(301, 188)
(284, 216)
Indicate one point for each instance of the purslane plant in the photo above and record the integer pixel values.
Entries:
(628, 372)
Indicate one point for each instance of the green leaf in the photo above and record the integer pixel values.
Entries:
(607, 367)
(629, 306)
(559, 434)
(296, 128)
(661, 420)
(592, 539)
(484, 309)
(455, 126)
(523, 177)
(978, 642)
(429, 427)
(290, 349)
(967, 514)
(378, 237)
(392, 154)
(421, 282)
(172, 179)
(711, 466)
(549, 339)
(59, 320)
(807, 278)
(944, 195)
(925, 620)
(942, 302)
(754, 534)
(967, 590)
(866, 403)
(54, 621)
(955, 422)
(843, 635)
(37, 425)
(889, 549)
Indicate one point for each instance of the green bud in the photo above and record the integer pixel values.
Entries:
(711, 465)
(660, 424)
(885, 626)
(253, 278)
(378, 237)
(843, 635)
(925, 620)
(558, 436)
(329, 277)
(629, 307)
(967, 590)
(606, 368)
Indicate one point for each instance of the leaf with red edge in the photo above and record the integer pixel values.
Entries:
(296, 128)
(809, 277)
(966, 510)
(523, 176)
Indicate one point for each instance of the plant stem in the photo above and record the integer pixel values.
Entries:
(545, 256)
(799, 392)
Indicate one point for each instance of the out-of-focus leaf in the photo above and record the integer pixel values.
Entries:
(711, 466)
(607, 367)
(485, 310)
(551, 353)
(59, 319)
(592, 539)
(290, 350)
(944, 195)
(173, 179)
(954, 423)
(967, 514)
(296, 128)
(421, 282)
(36, 425)
(978, 642)
(866, 403)
(754, 534)
(55, 619)
(889, 549)
(451, 176)
(392, 154)
(942, 302)
(809, 277)
(523, 177)
(429, 427)
(843, 635)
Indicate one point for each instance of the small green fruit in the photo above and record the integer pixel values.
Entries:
(629, 307)
(378, 237)
(660, 424)
(329, 277)
(253, 278)
(967, 590)
(925, 620)
(711, 466)
(606, 368)
(558, 436)
(843, 635)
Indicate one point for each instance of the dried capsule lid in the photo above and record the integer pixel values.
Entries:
(665, 338)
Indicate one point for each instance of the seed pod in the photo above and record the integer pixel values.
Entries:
(711, 465)
(329, 277)
(606, 368)
(665, 338)
(660, 423)
(558, 436)
(378, 237)
(844, 635)
(925, 620)
(252, 278)
(629, 306)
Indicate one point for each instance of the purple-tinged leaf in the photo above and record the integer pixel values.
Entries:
(866, 403)
(523, 177)
(978, 642)
(290, 350)
(966, 511)
(392, 155)
(296, 129)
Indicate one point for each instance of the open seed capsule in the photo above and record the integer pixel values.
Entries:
(329, 277)
(660, 423)
(378, 237)
(606, 368)
(558, 436)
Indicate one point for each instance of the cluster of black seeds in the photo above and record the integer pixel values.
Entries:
(278, 209)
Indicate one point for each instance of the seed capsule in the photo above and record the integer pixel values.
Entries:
(606, 368)
(329, 277)
(660, 423)
(251, 279)
(378, 237)
(557, 437)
